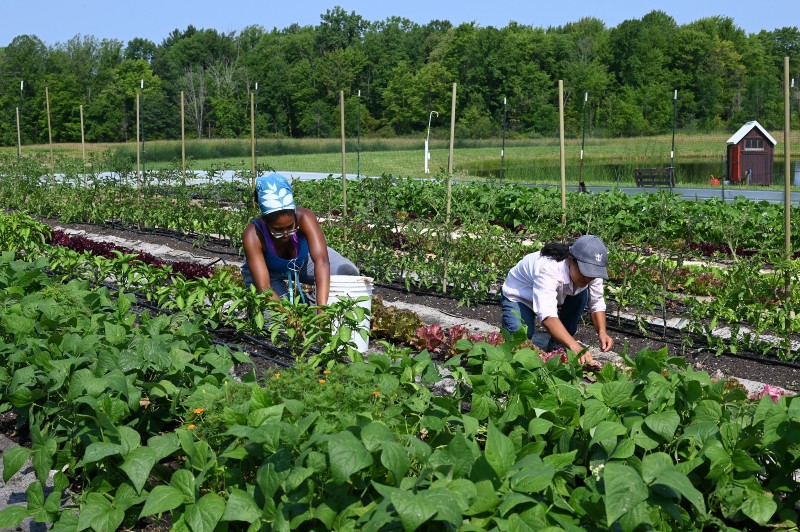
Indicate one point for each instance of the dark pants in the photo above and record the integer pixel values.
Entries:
(516, 314)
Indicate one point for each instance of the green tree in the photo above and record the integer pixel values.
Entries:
(25, 60)
(228, 99)
(111, 116)
(410, 98)
(338, 70)
(338, 30)
(139, 48)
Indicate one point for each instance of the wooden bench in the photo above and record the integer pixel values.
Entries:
(654, 177)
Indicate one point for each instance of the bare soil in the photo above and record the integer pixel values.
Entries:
(627, 337)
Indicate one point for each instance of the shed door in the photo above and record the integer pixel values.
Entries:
(734, 174)
(758, 164)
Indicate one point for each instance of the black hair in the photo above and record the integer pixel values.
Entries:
(556, 251)
(271, 216)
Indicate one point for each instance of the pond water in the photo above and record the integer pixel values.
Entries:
(698, 172)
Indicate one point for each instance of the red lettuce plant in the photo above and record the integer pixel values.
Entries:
(773, 392)
(443, 341)
(82, 244)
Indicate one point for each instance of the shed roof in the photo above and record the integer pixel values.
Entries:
(745, 129)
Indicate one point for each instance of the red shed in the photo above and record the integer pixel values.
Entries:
(750, 152)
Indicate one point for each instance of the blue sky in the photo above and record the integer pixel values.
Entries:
(56, 21)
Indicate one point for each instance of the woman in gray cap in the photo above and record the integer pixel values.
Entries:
(285, 247)
(553, 286)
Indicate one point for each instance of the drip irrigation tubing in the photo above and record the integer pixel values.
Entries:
(189, 238)
(255, 354)
(728, 353)
(427, 293)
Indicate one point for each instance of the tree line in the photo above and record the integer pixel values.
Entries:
(394, 72)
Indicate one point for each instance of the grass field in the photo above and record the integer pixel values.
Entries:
(697, 156)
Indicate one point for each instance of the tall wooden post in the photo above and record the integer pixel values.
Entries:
(344, 162)
(83, 147)
(563, 159)
(19, 137)
(787, 159)
(49, 131)
(183, 136)
(787, 162)
(83, 139)
(253, 137)
(450, 164)
(138, 146)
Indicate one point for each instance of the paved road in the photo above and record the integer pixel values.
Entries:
(687, 193)
(701, 194)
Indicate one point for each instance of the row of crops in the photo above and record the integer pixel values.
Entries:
(110, 366)
(664, 252)
(144, 425)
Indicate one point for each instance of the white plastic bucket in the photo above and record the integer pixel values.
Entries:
(353, 287)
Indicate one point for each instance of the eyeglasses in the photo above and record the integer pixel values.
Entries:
(284, 234)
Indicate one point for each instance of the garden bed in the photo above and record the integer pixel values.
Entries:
(167, 388)
(627, 336)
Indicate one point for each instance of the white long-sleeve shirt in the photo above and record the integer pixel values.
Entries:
(542, 284)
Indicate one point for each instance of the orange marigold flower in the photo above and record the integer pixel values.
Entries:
(376, 393)
(326, 372)
(199, 410)
(322, 381)
(277, 374)
(191, 427)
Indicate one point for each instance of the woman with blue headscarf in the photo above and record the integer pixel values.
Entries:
(285, 247)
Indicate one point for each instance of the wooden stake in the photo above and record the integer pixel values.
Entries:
(253, 136)
(563, 159)
(19, 137)
(49, 132)
(787, 158)
(183, 136)
(450, 163)
(83, 139)
(344, 162)
(450, 166)
(138, 146)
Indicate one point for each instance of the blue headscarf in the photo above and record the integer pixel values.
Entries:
(274, 193)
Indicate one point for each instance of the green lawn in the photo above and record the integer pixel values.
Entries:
(530, 160)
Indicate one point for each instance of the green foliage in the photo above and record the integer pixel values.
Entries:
(364, 445)
(403, 71)
(398, 232)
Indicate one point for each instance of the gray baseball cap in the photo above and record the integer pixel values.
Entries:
(591, 255)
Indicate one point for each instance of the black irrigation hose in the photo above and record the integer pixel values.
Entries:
(252, 353)
(727, 353)
(189, 238)
(427, 293)
(269, 347)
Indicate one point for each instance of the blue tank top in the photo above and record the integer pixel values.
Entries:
(276, 264)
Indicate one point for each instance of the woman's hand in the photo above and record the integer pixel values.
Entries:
(586, 357)
(606, 342)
